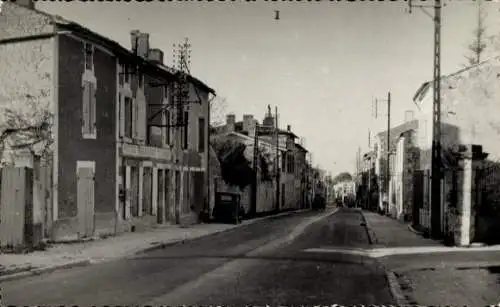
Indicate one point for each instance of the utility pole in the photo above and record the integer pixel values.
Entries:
(182, 54)
(388, 170)
(436, 121)
(278, 169)
(255, 170)
(387, 175)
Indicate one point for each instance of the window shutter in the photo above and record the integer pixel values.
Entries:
(121, 119)
(86, 108)
(144, 120)
(135, 119)
(93, 105)
(140, 121)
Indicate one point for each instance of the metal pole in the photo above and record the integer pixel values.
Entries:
(255, 169)
(436, 140)
(277, 160)
(388, 167)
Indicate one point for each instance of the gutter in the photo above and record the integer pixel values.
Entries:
(20, 39)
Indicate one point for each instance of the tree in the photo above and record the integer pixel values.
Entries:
(235, 168)
(344, 176)
(478, 45)
(26, 125)
(218, 107)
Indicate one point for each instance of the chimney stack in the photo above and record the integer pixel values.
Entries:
(156, 56)
(230, 122)
(26, 3)
(140, 43)
(248, 123)
(288, 128)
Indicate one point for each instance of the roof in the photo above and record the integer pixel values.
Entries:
(118, 49)
(424, 87)
(396, 132)
(300, 147)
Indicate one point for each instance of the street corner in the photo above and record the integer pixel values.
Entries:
(448, 286)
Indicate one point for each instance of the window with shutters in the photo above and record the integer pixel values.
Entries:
(167, 128)
(128, 118)
(89, 110)
(201, 134)
(186, 132)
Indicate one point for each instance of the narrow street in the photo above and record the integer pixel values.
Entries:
(238, 267)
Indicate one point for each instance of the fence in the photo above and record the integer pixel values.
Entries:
(486, 200)
(25, 205)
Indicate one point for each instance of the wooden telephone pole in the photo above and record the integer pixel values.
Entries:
(388, 149)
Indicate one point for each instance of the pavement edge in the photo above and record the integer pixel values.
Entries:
(87, 262)
(372, 237)
(394, 285)
(50, 269)
(162, 245)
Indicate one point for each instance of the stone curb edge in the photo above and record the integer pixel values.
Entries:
(396, 290)
(23, 274)
(86, 262)
(372, 237)
(182, 241)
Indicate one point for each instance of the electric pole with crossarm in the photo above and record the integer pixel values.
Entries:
(436, 121)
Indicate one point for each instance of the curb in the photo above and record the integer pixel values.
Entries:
(49, 269)
(392, 280)
(81, 263)
(372, 237)
(396, 290)
(420, 233)
(243, 223)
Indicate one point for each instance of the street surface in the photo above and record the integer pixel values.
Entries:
(241, 266)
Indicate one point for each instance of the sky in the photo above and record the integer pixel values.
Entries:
(322, 64)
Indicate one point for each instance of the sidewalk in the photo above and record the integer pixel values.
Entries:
(59, 256)
(434, 274)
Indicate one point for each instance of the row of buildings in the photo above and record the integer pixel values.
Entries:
(111, 147)
(470, 148)
(285, 178)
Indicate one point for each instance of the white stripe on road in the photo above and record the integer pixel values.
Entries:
(392, 251)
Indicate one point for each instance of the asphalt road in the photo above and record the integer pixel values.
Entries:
(243, 266)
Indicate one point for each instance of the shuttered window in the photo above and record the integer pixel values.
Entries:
(128, 118)
(167, 128)
(186, 132)
(201, 134)
(89, 110)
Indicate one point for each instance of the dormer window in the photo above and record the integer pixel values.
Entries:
(89, 57)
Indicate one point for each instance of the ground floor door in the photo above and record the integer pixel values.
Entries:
(85, 198)
(160, 214)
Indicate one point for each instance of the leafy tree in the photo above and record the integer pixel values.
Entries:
(478, 45)
(344, 176)
(235, 168)
(218, 107)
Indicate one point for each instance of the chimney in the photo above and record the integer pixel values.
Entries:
(248, 123)
(156, 56)
(409, 116)
(230, 121)
(288, 128)
(26, 3)
(139, 43)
